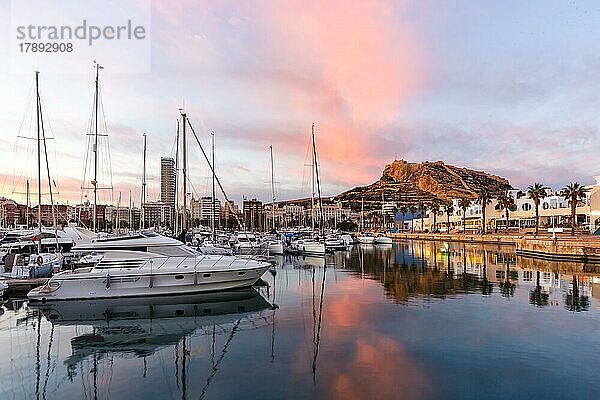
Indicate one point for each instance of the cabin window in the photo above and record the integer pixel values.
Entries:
(170, 251)
(206, 310)
(179, 277)
(241, 273)
(206, 275)
(179, 312)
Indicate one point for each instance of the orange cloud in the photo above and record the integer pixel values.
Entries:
(365, 66)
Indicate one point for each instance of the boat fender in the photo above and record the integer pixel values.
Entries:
(39, 260)
(107, 280)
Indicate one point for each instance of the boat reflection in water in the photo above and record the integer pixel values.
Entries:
(142, 326)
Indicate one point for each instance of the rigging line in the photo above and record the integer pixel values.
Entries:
(28, 107)
(213, 172)
(48, 172)
(215, 368)
(85, 165)
(109, 167)
(316, 167)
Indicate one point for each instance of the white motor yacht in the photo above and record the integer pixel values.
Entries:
(366, 238)
(273, 243)
(335, 242)
(275, 247)
(247, 242)
(210, 247)
(347, 239)
(382, 239)
(147, 264)
(308, 246)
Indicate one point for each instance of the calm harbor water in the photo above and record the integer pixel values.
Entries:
(411, 320)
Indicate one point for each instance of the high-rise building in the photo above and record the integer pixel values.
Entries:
(167, 183)
(201, 211)
(253, 214)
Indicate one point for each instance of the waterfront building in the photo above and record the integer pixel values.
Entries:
(157, 214)
(167, 182)
(12, 213)
(84, 214)
(280, 217)
(294, 215)
(123, 217)
(554, 210)
(200, 210)
(231, 216)
(253, 211)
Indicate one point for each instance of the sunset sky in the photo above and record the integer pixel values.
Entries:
(508, 87)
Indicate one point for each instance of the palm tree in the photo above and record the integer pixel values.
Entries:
(536, 192)
(536, 296)
(413, 211)
(463, 204)
(574, 192)
(403, 210)
(506, 201)
(422, 211)
(448, 209)
(483, 198)
(434, 209)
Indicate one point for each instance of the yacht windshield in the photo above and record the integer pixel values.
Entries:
(174, 251)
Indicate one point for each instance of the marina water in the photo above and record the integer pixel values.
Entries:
(423, 320)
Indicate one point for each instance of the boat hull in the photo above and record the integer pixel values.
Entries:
(366, 239)
(275, 248)
(97, 286)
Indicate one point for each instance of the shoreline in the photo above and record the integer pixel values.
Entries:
(584, 249)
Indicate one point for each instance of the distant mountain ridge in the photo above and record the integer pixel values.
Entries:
(408, 183)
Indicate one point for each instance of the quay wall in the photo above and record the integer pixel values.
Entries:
(458, 237)
(563, 248)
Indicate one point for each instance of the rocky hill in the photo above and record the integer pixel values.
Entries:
(410, 183)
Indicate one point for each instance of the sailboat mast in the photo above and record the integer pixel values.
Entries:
(184, 144)
(118, 211)
(272, 188)
(43, 137)
(130, 221)
(176, 231)
(312, 195)
(212, 217)
(28, 204)
(316, 169)
(39, 157)
(362, 213)
(95, 181)
(382, 210)
(143, 200)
